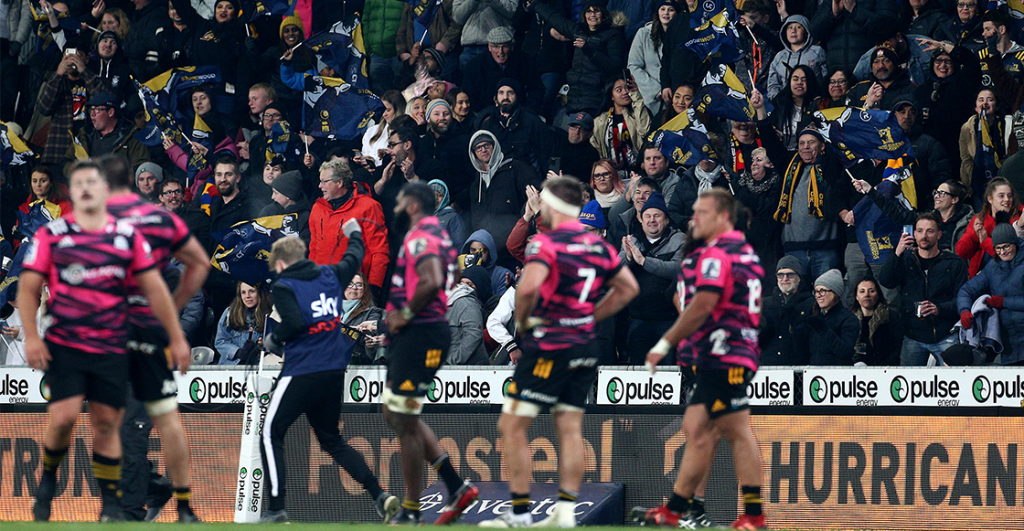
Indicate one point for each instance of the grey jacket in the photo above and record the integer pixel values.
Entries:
(479, 17)
(466, 323)
(645, 64)
(786, 60)
(19, 23)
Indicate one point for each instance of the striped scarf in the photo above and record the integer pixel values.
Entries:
(815, 191)
(988, 152)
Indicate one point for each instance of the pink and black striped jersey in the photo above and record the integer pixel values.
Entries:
(580, 263)
(163, 230)
(424, 240)
(88, 275)
(730, 267)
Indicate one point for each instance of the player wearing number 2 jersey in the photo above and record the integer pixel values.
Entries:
(558, 302)
(716, 331)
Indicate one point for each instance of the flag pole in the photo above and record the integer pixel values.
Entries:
(424, 36)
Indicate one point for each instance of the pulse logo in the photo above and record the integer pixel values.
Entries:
(614, 390)
(899, 389)
(818, 389)
(357, 389)
(982, 389)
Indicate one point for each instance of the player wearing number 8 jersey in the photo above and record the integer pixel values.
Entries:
(716, 332)
(558, 302)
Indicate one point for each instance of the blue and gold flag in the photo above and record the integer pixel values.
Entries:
(424, 10)
(722, 95)
(172, 86)
(13, 149)
(683, 140)
(266, 8)
(333, 108)
(341, 48)
(244, 249)
(40, 212)
(876, 233)
(987, 159)
(715, 39)
(863, 134)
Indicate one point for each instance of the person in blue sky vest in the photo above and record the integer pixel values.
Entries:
(317, 348)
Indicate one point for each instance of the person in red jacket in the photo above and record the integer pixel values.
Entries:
(1001, 206)
(341, 202)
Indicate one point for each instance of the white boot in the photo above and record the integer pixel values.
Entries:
(562, 516)
(509, 519)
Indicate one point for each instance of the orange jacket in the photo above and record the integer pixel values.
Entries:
(327, 243)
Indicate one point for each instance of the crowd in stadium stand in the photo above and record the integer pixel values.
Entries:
(485, 99)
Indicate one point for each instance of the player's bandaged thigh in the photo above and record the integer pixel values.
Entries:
(162, 406)
(562, 406)
(520, 408)
(406, 405)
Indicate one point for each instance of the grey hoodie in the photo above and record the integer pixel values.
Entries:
(785, 61)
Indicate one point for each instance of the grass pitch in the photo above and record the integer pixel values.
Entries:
(141, 526)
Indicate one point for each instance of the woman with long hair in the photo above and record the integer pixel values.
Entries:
(682, 99)
(645, 54)
(1001, 205)
(359, 311)
(840, 81)
(113, 19)
(44, 186)
(878, 342)
(375, 139)
(240, 328)
(462, 107)
(620, 130)
(795, 105)
(992, 126)
(607, 185)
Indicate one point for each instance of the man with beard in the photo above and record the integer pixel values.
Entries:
(231, 206)
(503, 60)
(172, 197)
(888, 82)
(406, 166)
(420, 340)
(572, 280)
(932, 162)
(63, 98)
(148, 177)
(523, 136)
(786, 309)
(999, 47)
(446, 143)
(573, 154)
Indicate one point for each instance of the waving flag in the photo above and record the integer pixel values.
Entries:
(266, 8)
(80, 152)
(13, 150)
(160, 121)
(341, 48)
(45, 44)
(704, 10)
(683, 140)
(170, 87)
(876, 233)
(277, 144)
(716, 38)
(333, 108)
(863, 134)
(9, 285)
(722, 95)
(424, 10)
(40, 212)
(244, 250)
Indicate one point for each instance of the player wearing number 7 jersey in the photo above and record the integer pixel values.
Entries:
(557, 304)
(716, 333)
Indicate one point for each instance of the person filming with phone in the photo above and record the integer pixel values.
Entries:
(929, 279)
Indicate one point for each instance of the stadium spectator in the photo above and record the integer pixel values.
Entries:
(599, 55)
(654, 257)
(965, 29)
(839, 81)
(482, 74)
(878, 342)
(932, 166)
(521, 133)
(148, 177)
(1001, 282)
(481, 245)
(990, 115)
(626, 219)
(260, 95)
(680, 99)
(708, 173)
(449, 219)
(109, 133)
(146, 39)
(924, 17)
(477, 19)
(218, 42)
(375, 139)
(406, 166)
(240, 328)
(44, 186)
(799, 49)
(342, 201)
(888, 82)
(795, 104)
(359, 311)
(62, 98)
(952, 81)
(620, 130)
(607, 185)
(573, 154)
(443, 34)
(829, 333)
(109, 63)
(761, 42)
(288, 198)
(466, 319)
(645, 54)
(172, 197)
(848, 28)
(380, 23)
(928, 279)
(783, 313)
(445, 142)
(949, 200)
(12, 342)
(462, 107)
(1001, 205)
(15, 32)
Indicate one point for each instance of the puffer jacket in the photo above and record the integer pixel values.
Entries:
(380, 24)
(940, 285)
(479, 17)
(1002, 279)
(19, 23)
(930, 23)
(327, 243)
(466, 323)
(601, 58)
(638, 123)
(150, 27)
(852, 33)
(657, 277)
(809, 54)
(645, 65)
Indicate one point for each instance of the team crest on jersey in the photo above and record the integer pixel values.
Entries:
(417, 246)
(711, 268)
(121, 243)
(533, 248)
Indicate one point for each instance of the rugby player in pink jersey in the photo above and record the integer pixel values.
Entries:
(87, 259)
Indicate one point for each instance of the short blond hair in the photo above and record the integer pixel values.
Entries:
(339, 168)
(289, 250)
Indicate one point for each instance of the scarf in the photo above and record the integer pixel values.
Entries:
(739, 163)
(705, 180)
(815, 191)
(609, 199)
(758, 187)
(617, 138)
(346, 307)
(988, 152)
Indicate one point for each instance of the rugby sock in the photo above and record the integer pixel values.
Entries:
(697, 505)
(411, 505)
(520, 503)
(52, 460)
(567, 495)
(451, 478)
(108, 473)
(752, 500)
(678, 504)
(183, 496)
